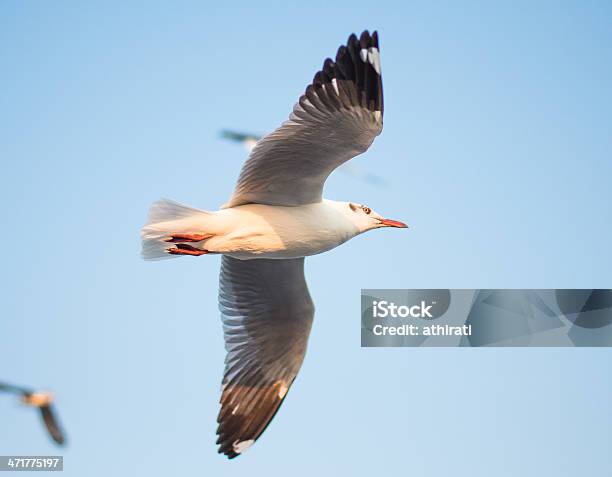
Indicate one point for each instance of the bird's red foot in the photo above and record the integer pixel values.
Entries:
(187, 238)
(183, 249)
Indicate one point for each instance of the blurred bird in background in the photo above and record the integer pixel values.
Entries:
(43, 400)
(356, 172)
(246, 139)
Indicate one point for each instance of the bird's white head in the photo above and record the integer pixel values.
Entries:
(364, 218)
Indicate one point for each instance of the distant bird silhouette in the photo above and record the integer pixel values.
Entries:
(249, 140)
(246, 139)
(42, 400)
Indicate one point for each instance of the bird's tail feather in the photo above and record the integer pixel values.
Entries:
(170, 222)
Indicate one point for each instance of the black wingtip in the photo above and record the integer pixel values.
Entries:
(375, 39)
(357, 63)
(365, 40)
(229, 453)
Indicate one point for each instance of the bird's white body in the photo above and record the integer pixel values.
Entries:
(257, 230)
(268, 231)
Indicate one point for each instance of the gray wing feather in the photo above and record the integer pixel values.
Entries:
(267, 313)
(337, 118)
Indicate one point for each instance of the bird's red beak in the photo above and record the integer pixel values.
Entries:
(393, 223)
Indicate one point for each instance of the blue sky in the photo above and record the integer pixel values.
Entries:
(497, 146)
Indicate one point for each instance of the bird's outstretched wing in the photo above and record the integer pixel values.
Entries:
(49, 418)
(337, 118)
(267, 313)
(12, 389)
(250, 140)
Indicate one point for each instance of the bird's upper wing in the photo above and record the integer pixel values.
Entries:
(336, 119)
(267, 313)
(48, 416)
(11, 388)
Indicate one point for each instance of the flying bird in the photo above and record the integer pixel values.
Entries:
(43, 400)
(246, 139)
(250, 140)
(276, 217)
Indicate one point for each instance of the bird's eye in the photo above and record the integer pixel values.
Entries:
(367, 210)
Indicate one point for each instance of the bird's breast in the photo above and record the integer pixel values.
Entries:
(263, 231)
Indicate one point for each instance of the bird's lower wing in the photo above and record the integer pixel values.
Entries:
(336, 119)
(267, 313)
(53, 427)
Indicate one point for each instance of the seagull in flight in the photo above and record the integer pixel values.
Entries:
(43, 400)
(277, 216)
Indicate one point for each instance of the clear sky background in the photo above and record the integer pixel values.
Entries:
(497, 147)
